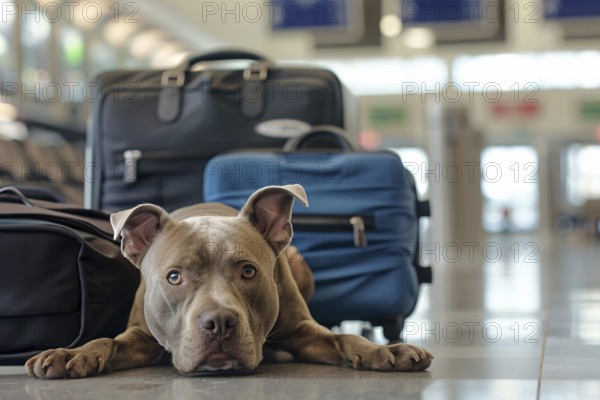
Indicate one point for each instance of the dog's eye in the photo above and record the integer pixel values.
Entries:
(248, 271)
(174, 278)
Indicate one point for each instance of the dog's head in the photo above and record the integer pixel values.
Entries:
(211, 298)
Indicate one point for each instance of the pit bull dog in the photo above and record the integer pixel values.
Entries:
(216, 287)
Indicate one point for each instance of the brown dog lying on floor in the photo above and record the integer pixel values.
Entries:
(216, 287)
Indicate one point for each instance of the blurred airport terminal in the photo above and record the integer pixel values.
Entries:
(492, 105)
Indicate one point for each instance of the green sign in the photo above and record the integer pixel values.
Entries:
(590, 109)
(384, 115)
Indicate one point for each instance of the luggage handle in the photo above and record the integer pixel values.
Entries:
(331, 133)
(83, 212)
(64, 214)
(14, 191)
(172, 80)
(220, 55)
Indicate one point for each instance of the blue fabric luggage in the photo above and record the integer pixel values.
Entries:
(359, 235)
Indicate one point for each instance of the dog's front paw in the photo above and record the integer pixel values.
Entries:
(397, 357)
(64, 363)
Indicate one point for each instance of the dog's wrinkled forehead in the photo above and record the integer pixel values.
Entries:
(211, 240)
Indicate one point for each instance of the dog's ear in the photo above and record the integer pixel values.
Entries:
(138, 227)
(270, 211)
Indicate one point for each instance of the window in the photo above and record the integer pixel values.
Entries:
(582, 179)
(8, 63)
(509, 184)
(36, 46)
(415, 160)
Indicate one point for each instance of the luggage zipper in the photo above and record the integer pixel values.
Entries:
(360, 234)
(359, 225)
(132, 157)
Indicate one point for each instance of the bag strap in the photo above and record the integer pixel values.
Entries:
(92, 221)
(39, 193)
(16, 192)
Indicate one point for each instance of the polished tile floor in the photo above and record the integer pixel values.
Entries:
(516, 317)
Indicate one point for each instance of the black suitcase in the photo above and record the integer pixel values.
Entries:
(63, 279)
(152, 132)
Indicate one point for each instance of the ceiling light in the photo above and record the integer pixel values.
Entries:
(390, 25)
(418, 38)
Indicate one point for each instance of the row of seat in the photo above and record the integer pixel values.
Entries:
(43, 159)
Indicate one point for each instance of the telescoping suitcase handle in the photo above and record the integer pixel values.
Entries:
(321, 137)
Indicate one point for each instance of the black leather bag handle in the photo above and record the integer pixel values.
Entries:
(220, 55)
(321, 137)
(172, 80)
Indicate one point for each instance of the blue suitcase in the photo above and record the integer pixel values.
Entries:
(359, 235)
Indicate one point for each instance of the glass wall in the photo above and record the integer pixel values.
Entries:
(582, 178)
(509, 184)
(37, 47)
(72, 68)
(415, 160)
(8, 61)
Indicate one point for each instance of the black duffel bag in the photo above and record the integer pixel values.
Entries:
(152, 131)
(63, 280)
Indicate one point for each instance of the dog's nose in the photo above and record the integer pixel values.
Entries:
(218, 322)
